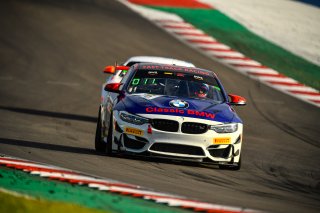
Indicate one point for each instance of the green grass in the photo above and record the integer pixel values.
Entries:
(76, 195)
(230, 32)
(12, 203)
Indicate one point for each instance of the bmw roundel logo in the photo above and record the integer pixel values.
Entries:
(179, 104)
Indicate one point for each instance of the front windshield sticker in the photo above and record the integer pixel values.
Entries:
(175, 68)
(198, 77)
(135, 81)
(168, 73)
(152, 72)
(159, 67)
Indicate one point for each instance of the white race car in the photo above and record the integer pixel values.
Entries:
(171, 111)
(118, 72)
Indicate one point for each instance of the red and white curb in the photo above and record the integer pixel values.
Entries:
(74, 177)
(216, 50)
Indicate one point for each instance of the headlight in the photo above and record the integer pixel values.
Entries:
(133, 118)
(225, 128)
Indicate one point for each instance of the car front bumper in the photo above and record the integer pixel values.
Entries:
(220, 148)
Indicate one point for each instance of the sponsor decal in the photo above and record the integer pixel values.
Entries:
(198, 77)
(147, 96)
(133, 131)
(165, 110)
(153, 73)
(175, 68)
(195, 71)
(222, 140)
(188, 112)
(217, 88)
(157, 67)
(179, 104)
(168, 73)
(109, 104)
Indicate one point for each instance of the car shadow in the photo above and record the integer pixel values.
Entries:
(153, 159)
(68, 116)
(47, 146)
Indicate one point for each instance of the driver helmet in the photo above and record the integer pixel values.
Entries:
(202, 91)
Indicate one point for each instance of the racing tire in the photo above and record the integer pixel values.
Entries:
(108, 148)
(231, 167)
(100, 145)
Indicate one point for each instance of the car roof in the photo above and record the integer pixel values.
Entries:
(174, 68)
(160, 60)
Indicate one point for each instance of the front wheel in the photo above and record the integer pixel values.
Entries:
(100, 145)
(109, 138)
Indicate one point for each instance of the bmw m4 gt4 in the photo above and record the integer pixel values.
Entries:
(170, 111)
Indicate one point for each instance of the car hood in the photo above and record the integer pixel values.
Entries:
(188, 107)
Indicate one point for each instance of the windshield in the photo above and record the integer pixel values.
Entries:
(184, 85)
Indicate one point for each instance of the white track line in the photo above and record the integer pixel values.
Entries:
(309, 97)
(257, 70)
(296, 88)
(224, 53)
(214, 46)
(274, 79)
(239, 61)
(185, 30)
(203, 38)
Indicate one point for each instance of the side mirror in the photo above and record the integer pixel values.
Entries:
(112, 87)
(109, 69)
(237, 100)
(112, 69)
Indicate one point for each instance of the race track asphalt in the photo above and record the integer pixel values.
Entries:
(51, 57)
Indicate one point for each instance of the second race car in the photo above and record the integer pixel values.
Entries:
(118, 72)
